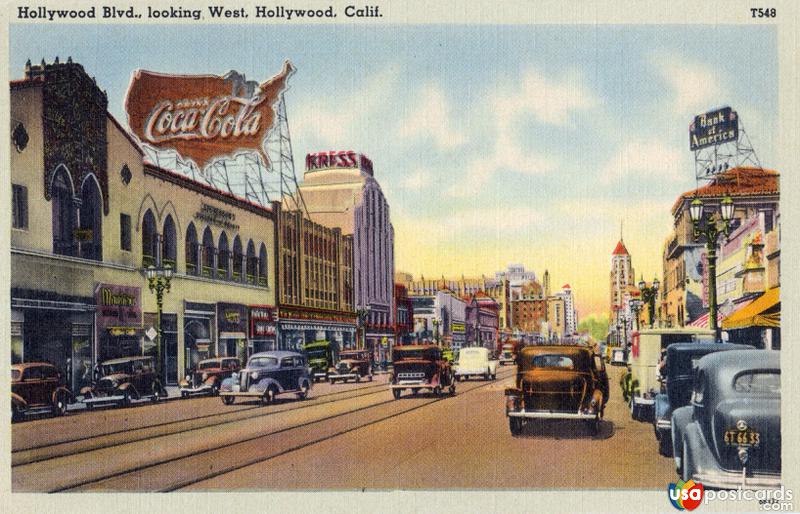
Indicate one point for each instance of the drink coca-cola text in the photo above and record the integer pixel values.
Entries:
(203, 118)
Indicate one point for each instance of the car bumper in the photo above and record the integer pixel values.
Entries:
(195, 390)
(550, 415)
(103, 399)
(348, 376)
(471, 372)
(242, 393)
(412, 384)
(721, 479)
(646, 402)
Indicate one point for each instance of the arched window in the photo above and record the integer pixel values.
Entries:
(149, 235)
(237, 259)
(63, 214)
(223, 256)
(170, 249)
(262, 266)
(91, 219)
(252, 263)
(208, 253)
(191, 249)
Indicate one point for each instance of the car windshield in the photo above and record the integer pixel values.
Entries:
(209, 365)
(15, 374)
(119, 367)
(758, 383)
(262, 362)
(552, 361)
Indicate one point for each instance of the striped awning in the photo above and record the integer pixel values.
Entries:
(702, 321)
(764, 311)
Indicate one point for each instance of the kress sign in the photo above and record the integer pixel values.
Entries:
(203, 117)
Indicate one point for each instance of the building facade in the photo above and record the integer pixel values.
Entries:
(315, 283)
(482, 322)
(621, 282)
(339, 189)
(90, 215)
(403, 315)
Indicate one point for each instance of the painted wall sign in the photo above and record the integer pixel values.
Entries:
(216, 216)
(231, 317)
(118, 306)
(714, 128)
(203, 117)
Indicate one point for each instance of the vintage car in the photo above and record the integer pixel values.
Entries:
(36, 387)
(676, 380)
(729, 437)
(557, 382)
(617, 356)
(419, 367)
(645, 354)
(122, 380)
(208, 376)
(353, 365)
(475, 362)
(507, 355)
(320, 359)
(267, 375)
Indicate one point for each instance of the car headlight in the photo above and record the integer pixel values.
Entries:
(188, 378)
(254, 375)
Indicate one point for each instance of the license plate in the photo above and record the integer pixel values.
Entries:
(735, 437)
(236, 388)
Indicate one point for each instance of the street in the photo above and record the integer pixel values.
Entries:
(345, 437)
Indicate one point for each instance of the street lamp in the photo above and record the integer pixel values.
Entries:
(159, 280)
(705, 224)
(436, 324)
(636, 307)
(363, 314)
(649, 295)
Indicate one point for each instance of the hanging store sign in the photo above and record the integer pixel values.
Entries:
(714, 128)
(118, 306)
(262, 321)
(203, 117)
(231, 317)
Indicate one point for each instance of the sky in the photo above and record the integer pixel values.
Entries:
(493, 144)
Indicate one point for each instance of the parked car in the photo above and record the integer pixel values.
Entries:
(267, 375)
(676, 380)
(37, 387)
(207, 377)
(557, 382)
(617, 356)
(729, 437)
(507, 354)
(122, 380)
(645, 354)
(475, 362)
(320, 358)
(353, 365)
(419, 367)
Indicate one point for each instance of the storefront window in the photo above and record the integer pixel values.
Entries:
(91, 220)
(223, 256)
(197, 341)
(262, 266)
(208, 253)
(251, 263)
(63, 214)
(237, 259)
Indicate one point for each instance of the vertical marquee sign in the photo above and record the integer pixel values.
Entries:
(203, 117)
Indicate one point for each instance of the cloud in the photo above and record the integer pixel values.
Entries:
(346, 121)
(647, 161)
(533, 98)
(498, 220)
(431, 121)
(416, 180)
(695, 87)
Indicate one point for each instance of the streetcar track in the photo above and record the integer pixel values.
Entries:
(78, 451)
(251, 462)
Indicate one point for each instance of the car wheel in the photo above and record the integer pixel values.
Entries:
(665, 446)
(88, 396)
(214, 389)
(184, 394)
(634, 411)
(515, 425)
(60, 404)
(494, 376)
(16, 412)
(369, 377)
(452, 390)
(126, 398)
(269, 396)
(155, 391)
(437, 391)
(331, 381)
(228, 400)
(594, 425)
(303, 394)
(358, 377)
(396, 393)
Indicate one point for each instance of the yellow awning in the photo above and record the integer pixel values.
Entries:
(755, 314)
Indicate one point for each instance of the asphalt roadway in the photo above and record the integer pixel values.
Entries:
(344, 437)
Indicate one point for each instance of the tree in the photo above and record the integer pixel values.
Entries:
(596, 326)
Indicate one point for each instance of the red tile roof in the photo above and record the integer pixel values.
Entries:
(620, 249)
(736, 182)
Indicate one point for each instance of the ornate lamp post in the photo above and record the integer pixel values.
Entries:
(363, 315)
(159, 280)
(706, 224)
(649, 295)
(636, 307)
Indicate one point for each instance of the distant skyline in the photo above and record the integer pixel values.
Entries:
(493, 144)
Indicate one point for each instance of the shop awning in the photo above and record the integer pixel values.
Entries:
(722, 314)
(764, 311)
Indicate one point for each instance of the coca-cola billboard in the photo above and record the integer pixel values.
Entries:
(203, 117)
